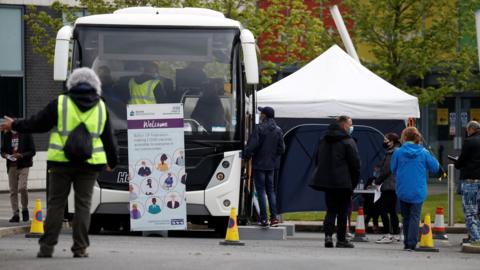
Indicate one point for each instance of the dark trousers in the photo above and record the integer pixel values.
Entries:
(411, 222)
(264, 184)
(388, 211)
(60, 182)
(338, 202)
(371, 210)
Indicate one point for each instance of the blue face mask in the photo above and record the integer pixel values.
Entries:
(350, 130)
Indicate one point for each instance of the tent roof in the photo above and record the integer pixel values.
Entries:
(335, 84)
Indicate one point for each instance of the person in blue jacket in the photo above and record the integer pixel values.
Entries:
(409, 164)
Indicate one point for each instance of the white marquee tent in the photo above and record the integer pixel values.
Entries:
(335, 84)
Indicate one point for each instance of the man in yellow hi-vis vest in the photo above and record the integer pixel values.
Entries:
(80, 105)
(147, 88)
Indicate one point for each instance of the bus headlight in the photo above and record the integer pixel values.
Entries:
(220, 176)
(227, 203)
(225, 164)
(222, 173)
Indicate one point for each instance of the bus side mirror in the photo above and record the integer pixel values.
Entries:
(62, 50)
(249, 56)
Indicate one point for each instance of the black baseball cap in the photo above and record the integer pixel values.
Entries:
(268, 111)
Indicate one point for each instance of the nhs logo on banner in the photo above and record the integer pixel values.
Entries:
(177, 222)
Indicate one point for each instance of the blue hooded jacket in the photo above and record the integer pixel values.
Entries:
(410, 164)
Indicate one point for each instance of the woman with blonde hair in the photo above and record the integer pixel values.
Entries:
(409, 164)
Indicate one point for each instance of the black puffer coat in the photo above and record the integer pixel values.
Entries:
(386, 177)
(337, 163)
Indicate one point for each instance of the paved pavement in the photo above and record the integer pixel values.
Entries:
(202, 251)
(6, 210)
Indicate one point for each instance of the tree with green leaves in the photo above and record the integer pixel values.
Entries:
(289, 33)
(44, 26)
(286, 28)
(410, 39)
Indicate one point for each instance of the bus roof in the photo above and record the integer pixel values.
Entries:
(151, 16)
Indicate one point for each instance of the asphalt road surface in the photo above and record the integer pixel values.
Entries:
(200, 250)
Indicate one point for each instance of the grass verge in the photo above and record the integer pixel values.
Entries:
(429, 206)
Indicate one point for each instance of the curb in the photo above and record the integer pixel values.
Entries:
(299, 227)
(9, 231)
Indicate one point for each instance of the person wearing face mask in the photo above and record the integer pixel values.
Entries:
(18, 149)
(147, 88)
(337, 170)
(388, 200)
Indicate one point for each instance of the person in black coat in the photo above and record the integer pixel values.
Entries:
(337, 170)
(388, 200)
(469, 165)
(265, 146)
(18, 149)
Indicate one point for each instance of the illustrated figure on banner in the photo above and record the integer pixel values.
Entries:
(180, 159)
(149, 186)
(163, 166)
(173, 203)
(154, 208)
(168, 183)
(183, 180)
(132, 192)
(144, 170)
(135, 212)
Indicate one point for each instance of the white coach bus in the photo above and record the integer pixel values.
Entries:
(203, 60)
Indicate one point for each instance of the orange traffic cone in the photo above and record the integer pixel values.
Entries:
(36, 229)
(439, 225)
(426, 241)
(360, 235)
(232, 237)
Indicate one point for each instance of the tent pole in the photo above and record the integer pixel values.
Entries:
(342, 29)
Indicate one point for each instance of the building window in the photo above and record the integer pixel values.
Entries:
(11, 63)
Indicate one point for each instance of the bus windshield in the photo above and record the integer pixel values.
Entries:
(148, 66)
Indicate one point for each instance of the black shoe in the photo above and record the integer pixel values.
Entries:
(44, 255)
(344, 244)
(80, 254)
(328, 242)
(25, 215)
(263, 223)
(15, 218)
